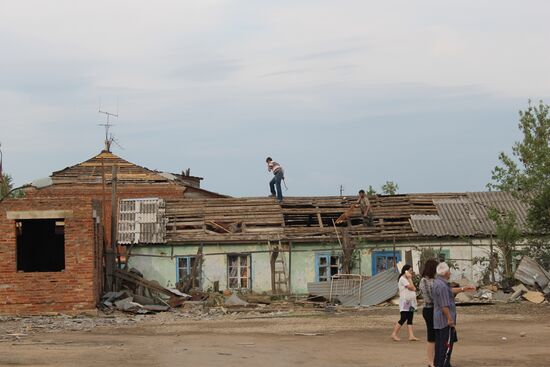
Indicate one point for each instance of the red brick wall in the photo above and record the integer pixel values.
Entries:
(77, 287)
(124, 191)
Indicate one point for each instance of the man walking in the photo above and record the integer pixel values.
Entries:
(444, 315)
(279, 174)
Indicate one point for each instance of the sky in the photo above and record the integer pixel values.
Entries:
(352, 93)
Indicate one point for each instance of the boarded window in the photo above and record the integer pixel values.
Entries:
(238, 270)
(40, 245)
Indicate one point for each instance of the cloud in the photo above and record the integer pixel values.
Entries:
(425, 93)
(208, 70)
(330, 54)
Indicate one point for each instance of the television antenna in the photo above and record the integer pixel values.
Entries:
(109, 138)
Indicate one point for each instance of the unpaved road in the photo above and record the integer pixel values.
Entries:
(348, 339)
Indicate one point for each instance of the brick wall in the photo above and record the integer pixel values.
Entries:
(74, 289)
(124, 191)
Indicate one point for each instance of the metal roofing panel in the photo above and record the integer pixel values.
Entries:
(468, 216)
(374, 291)
(530, 272)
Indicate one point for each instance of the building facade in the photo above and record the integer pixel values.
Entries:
(51, 253)
(236, 238)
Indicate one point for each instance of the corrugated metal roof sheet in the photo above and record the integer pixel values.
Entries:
(375, 290)
(468, 216)
(530, 272)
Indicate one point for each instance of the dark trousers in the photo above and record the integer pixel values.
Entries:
(444, 342)
(276, 182)
(406, 316)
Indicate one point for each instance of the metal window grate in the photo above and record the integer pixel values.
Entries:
(141, 221)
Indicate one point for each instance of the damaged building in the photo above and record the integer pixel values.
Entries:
(57, 251)
(255, 244)
(51, 253)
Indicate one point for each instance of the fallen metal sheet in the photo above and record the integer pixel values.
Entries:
(323, 288)
(375, 290)
(531, 273)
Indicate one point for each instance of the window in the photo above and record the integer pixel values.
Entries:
(384, 260)
(326, 265)
(40, 245)
(185, 268)
(238, 270)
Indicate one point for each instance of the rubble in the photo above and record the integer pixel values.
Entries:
(518, 292)
(535, 297)
(140, 296)
(463, 298)
(234, 300)
(530, 273)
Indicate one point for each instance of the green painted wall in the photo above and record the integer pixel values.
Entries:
(163, 269)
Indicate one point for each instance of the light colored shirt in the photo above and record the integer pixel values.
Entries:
(407, 298)
(442, 297)
(274, 167)
(364, 204)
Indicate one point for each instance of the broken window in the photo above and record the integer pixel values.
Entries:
(327, 266)
(384, 260)
(185, 270)
(40, 245)
(238, 270)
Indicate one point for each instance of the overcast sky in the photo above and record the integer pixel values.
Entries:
(424, 93)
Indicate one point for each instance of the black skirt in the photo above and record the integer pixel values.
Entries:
(428, 314)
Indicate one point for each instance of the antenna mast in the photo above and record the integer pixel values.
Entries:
(108, 138)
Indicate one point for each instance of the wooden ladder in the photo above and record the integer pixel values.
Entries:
(279, 276)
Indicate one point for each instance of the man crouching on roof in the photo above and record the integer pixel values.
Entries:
(279, 174)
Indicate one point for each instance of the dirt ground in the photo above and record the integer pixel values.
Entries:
(349, 338)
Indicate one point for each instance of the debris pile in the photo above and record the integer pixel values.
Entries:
(535, 281)
(140, 296)
(534, 287)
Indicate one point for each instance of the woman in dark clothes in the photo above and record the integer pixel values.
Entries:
(426, 285)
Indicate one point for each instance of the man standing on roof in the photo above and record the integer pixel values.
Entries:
(364, 204)
(279, 174)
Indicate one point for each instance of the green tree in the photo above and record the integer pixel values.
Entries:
(528, 170)
(390, 188)
(527, 174)
(6, 187)
(507, 237)
(371, 191)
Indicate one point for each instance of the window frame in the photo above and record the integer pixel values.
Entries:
(328, 257)
(239, 276)
(385, 254)
(188, 259)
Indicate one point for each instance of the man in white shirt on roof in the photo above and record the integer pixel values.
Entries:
(279, 175)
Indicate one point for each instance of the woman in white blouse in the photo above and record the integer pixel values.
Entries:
(407, 303)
